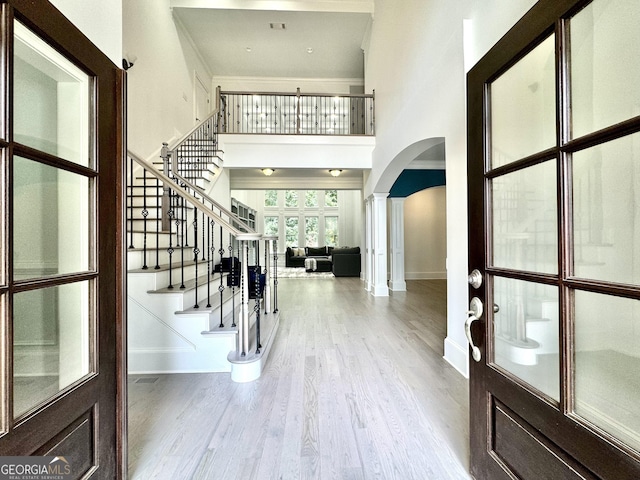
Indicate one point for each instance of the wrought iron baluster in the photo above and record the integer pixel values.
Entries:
(170, 250)
(221, 287)
(209, 260)
(256, 307)
(131, 203)
(158, 222)
(275, 276)
(183, 220)
(145, 213)
(203, 230)
(233, 283)
(196, 251)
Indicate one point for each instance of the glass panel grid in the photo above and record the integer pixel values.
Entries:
(607, 362)
(51, 98)
(526, 332)
(524, 219)
(523, 109)
(606, 211)
(605, 72)
(51, 342)
(51, 220)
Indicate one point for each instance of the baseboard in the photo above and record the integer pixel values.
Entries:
(425, 275)
(457, 356)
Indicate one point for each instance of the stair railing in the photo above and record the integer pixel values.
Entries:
(181, 195)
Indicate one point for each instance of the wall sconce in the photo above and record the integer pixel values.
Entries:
(128, 61)
(335, 172)
(268, 171)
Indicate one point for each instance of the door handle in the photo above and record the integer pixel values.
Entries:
(473, 314)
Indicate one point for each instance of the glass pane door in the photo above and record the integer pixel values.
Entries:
(52, 233)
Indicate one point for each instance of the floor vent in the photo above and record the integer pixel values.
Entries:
(147, 380)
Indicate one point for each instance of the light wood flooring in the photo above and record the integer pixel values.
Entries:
(355, 388)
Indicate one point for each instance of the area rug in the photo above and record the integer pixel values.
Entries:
(291, 272)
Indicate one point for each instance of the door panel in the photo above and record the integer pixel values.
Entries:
(553, 191)
(60, 295)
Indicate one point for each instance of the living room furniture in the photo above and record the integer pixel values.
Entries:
(342, 261)
(295, 256)
(346, 262)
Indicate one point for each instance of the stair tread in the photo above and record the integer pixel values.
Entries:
(188, 285)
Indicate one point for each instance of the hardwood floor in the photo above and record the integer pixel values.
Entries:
(355, 388)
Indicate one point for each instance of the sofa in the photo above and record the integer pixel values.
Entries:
(295, 256)
(342, 261)
(346, 261)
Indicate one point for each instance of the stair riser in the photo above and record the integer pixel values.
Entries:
(135, 259)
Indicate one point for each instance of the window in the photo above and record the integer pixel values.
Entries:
(271, 225)
(311, 231)
(331, 231)
(290, 198)
(291, 231)
(271, 198)
(330, 198)
(311, 199)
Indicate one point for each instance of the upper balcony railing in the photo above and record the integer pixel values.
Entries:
(296, 114)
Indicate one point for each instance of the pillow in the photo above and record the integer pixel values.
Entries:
(298, 252)
(316, 252)
(346, 251)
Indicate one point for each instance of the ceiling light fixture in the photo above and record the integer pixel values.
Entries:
(248, 49)
(309, 50)
(268, 171)
(277, 26)
(335, 172)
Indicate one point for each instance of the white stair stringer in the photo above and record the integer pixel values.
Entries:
(162, 340)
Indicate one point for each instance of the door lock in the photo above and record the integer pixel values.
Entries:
(475, 279)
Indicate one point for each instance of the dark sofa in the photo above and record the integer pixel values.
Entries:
(346, 262)
(293, 259)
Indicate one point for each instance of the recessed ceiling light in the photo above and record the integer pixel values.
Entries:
(248, 49)
(277, 26)
(309, 50)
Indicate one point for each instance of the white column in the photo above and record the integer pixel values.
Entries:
(397, 282)
(379, 287)
(368, 252)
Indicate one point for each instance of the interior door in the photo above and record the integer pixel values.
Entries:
(60, 287)
(554, 234)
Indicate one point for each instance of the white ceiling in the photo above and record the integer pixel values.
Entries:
(223, 37)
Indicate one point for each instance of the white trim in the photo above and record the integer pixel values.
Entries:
(425, 275)
(457, 357)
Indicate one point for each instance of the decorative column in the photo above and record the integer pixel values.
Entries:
(368, 251)
(379, 287)
(397, 282)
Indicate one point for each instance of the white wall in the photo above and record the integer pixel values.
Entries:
(416, 62)
(99, 20)
(425, 236)
(161, 84)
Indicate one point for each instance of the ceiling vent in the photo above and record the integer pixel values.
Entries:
(277, 26)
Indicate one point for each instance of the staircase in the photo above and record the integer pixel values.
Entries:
(191, 306)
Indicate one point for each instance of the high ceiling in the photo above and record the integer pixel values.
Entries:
(312, 44)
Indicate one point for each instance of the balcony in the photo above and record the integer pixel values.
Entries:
(296, 114)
